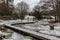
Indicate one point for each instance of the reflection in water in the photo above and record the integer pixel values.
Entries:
(17, 36)
(11, 35)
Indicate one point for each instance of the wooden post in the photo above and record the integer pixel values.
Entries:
(51, 25)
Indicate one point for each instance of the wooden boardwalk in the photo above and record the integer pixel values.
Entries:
(31, 33)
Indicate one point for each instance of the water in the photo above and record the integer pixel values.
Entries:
(18, 36)
(12, 35)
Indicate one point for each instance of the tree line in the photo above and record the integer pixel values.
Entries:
(49, 8)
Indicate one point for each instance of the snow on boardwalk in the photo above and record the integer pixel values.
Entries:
(17, 21)
(34, 33)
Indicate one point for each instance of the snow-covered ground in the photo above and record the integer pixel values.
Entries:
(43, 27)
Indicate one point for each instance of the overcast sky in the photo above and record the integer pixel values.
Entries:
(31, 3)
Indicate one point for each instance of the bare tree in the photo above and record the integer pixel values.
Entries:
(58, 10)
(23, 9)
(36, 12)
(44, 7)
(55, 5)
(6, 9)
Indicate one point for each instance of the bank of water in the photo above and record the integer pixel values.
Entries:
(9, 34)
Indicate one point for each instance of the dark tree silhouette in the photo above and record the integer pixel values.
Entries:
(36, 12)
(22, 8)
(6, 9)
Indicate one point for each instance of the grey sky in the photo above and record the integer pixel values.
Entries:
(31, 3)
